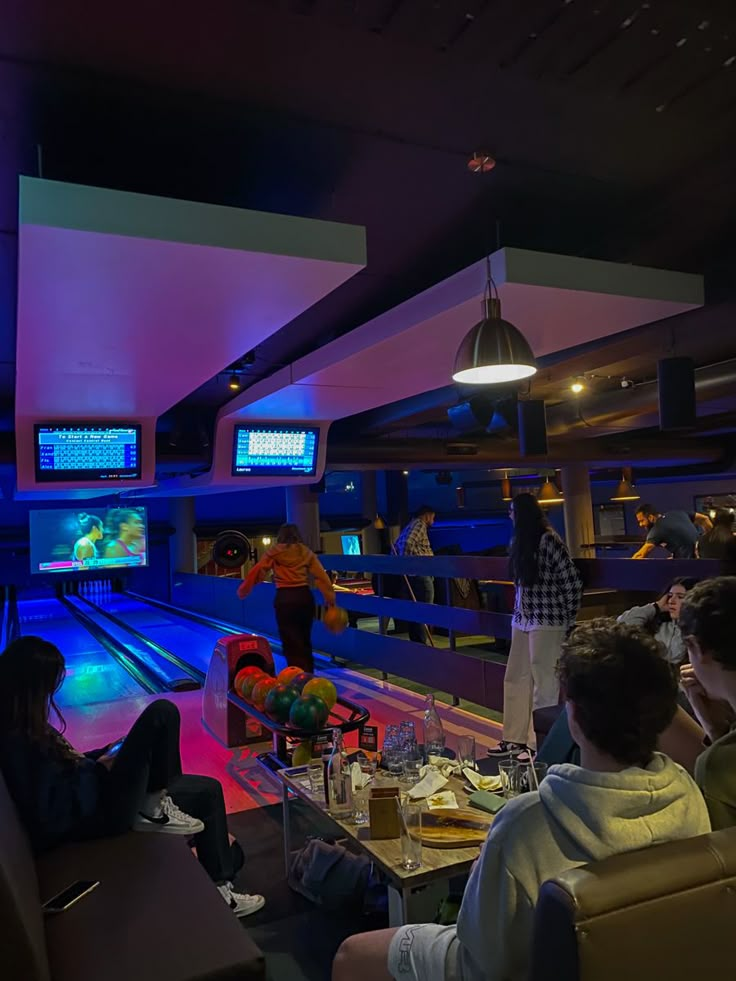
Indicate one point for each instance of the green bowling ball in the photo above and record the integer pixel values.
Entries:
(308, 712)
(279, 701)
(300, 680)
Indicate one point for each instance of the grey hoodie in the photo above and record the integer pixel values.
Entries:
(667, 632)
(578, 816)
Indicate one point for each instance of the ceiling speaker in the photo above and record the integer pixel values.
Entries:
(676, 382)
(532, 428)
(231, 549)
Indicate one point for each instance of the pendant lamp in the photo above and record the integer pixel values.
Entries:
(378, 523)
(549, 493)
(493, 351)
(625, 490)
(506, 488)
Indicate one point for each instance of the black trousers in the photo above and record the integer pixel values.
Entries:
(149, 760)
(294, 608)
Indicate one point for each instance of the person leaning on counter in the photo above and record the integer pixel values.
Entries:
(677, 531)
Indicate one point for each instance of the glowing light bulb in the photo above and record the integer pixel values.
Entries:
(577, 387)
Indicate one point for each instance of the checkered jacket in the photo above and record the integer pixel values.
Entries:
(414, 539)
(552, 601)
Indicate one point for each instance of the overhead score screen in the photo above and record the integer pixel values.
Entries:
(285, 451)
(87, 452)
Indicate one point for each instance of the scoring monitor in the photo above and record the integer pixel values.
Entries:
(287, 451)
(87, 452)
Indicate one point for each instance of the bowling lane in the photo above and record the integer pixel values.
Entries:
(191, 641)
(92, 674)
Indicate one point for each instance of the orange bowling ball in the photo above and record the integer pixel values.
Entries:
(287, 675)
(248, 684)
(335, 619)
(261, 690)
(322, 688)
(244, 673)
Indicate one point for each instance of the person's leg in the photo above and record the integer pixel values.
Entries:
(304, 615)
(545, 647)
(423, 589)
(517, 690)
(147, 762)
(294, 614)
(363, 957)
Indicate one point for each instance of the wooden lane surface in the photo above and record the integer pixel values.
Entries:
(437, 863)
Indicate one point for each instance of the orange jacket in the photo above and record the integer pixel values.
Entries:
(292, 565)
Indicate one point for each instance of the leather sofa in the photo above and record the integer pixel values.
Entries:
(155, 914)
(667, 912)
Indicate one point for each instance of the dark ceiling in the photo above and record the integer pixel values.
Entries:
(612, 123)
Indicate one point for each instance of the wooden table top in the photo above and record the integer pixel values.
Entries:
(437, 863)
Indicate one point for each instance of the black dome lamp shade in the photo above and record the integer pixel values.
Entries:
(493, 351)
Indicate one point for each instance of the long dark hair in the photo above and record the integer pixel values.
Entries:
(530, 523)
(289, 535)
(31, 672)
(719, 542)
(89, 521)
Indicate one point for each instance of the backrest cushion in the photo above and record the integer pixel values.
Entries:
(22, 934)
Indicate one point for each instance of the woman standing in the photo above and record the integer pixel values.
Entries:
(548, 591)
(293, 565)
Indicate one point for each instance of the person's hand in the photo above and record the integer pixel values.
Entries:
(663, 603)
(105, 761)
(689, 682)
(714, 716)
(242, 591)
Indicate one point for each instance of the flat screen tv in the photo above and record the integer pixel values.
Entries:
(98, 540)
(87, 451)
(281, 451)
(350, 544)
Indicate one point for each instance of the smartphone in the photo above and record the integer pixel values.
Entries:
(69, 896)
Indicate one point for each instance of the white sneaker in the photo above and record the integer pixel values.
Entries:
(171, 820)
(240, 902)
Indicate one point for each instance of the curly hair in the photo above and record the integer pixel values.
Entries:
(621, 686)
(708, 614)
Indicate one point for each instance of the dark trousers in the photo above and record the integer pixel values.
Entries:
(294, 608)
(148, 761)
(423, 589)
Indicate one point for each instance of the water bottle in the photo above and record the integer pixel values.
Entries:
(339, 781)
(434, 734)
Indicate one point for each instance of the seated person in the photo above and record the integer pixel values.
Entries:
(63, 795)
(661, 616)
(719, 542)
(708, 623)
(620, 696)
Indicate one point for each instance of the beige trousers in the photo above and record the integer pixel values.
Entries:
(530, 681)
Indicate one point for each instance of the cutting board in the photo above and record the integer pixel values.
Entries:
(455, 828)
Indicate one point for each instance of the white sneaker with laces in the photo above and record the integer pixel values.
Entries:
(170, 820)
(240, 902)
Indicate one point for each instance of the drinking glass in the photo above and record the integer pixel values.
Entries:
(508, 771)
(531, 775)
(411, 834)
(466, 751)
(411, 772)
(316, 774)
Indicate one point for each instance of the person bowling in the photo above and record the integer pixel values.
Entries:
(293, 566)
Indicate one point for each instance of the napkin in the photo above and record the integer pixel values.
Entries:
(448, 768)
(445, 798)
(432, 781)
(479, 782)
(358, 777)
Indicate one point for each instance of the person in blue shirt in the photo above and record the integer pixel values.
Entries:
(676, 531)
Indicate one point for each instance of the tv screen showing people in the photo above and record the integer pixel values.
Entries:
(69, 540)
(350, 544)
(87, 452)
(288, 451)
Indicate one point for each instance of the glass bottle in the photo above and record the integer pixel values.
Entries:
(434, 734)
(339, 782)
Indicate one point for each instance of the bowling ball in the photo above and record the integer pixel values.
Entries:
(248, 684)
(322, 688)
(335, 619)
(300, 680)
(308, 712)
(279, 701)
(302, 753)
(287, 674)
(260, 691)
(244, 673)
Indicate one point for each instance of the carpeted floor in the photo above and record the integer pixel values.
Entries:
(297, 937)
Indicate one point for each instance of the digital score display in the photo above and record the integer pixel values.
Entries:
(287, 451)
(87, 452)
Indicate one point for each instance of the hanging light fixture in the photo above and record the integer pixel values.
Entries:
(549, 493)
(505, 488)
(378, 523)
(625, 490)
(493, 351)
(234, 383)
